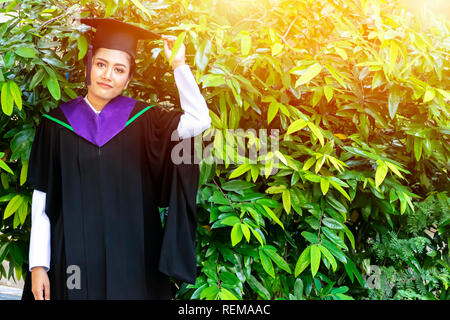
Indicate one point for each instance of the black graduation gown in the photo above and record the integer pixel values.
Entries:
(102, 203)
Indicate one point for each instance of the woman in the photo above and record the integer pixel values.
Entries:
(100, 166)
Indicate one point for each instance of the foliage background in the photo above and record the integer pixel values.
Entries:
(357, 207)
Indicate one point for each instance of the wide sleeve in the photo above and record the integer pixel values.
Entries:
(43, 166)
(178, 191)
(39, 163)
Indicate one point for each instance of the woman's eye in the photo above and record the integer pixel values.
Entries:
(120, 70)
(99, 64)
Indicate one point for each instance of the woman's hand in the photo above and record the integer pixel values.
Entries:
(180, 58)
(40, 284)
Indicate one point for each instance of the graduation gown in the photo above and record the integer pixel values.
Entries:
(105, 177)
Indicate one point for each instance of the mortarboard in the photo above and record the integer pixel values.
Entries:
(114, 34)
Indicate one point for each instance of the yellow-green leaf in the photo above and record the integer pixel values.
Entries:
(239, 170)
(296, 126)
(340, 189)
(324, 185)
(312, 72)
(236, 234)
(315, 259)
(23, 212)
(246, 44)
(273, 215)
(245, 231)
(328, 90)
(82, 46)
(309, 163)
(303, 261)
(23, 172)
(16, 94)
(287, 201)
(7, 99)
(13, 205)
(316, 132)
(272, 112)
(277, 48)
(429, 95)
(381, 172)
(138, 4)
(329, 257)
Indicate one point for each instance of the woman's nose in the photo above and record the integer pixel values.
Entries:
(107, 73)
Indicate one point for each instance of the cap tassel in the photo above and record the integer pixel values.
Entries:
(89, 65)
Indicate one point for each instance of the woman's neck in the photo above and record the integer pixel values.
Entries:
(96, 102)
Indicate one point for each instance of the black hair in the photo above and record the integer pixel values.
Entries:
(131, 60)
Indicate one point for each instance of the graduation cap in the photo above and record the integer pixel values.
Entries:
(114, 34)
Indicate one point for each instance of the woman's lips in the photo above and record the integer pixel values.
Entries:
(103, 85)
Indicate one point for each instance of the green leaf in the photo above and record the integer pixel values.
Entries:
(37, 77)
(237, 185)
(16, 94)
(246, 44)
(394, 100)
(329, 257)
(315, 259)
(273, 110)
(25, 52)
(230, 221)
(324, 185)
(7, 99)
(303, 261)
(210, 293)
(417, 148)
(278, 260)
(225, 294)
(316, 132)
(308, 163)
(13, 205)
(276, 48)
(138, 4)
(23, 172)
(201, 57)
(311, 237)
(296, 126)
(286, 197)
(5, 167)
(245, 231)
(334, 238)
(340, 189)
(332, 223)
(23, 212)
(381, 172)
(310, 73)
(273, 215)
(82, 46)
(335, 251)
(266, 263)
(236, 234)
(258, 287)
(53, 87)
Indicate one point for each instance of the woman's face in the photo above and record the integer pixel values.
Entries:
(109, 73)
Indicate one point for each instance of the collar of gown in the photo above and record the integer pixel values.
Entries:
(98, 128)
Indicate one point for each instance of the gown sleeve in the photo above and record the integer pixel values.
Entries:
(38, 167)
(178, 191)
(43, 167)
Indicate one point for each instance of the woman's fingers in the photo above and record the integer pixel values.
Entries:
(40, 284)
(38, 293)
(47, 290)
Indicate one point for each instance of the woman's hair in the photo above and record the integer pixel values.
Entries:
(130, 59)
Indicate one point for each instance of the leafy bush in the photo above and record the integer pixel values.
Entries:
(348, 102)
